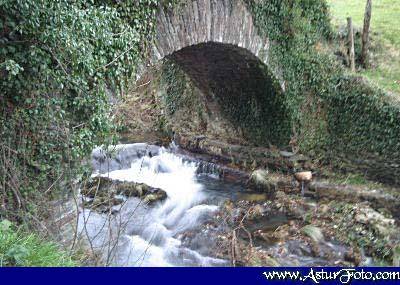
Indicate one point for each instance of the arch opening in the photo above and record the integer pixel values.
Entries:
(238, 86)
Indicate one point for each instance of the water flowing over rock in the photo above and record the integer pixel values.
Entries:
(120, 156)
(139, 232)
(166, 208)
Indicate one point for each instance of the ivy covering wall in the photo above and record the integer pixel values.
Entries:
(332, 113)
(60, 64)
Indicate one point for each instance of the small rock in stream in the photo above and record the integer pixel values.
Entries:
(263, 181)
(314, 233)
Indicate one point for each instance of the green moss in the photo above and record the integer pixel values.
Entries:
(174, 83)
(363, 119)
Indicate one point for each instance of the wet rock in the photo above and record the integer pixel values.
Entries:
(281, 234)
(299, 248)
(263, 181)
(102, 193)
(381, 224)
(95, 186)
(132, 189)
(260, 181)
(261, 258)
(314, 233)
(353, 256)
(104, 203)
(104, 186)
(155, 196)
(256, 211)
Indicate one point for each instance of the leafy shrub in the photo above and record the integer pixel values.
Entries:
(20, 249)
(61, 64)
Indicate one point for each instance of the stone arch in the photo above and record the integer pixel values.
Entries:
(217, 45)
(208, 21)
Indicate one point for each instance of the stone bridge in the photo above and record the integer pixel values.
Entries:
(215, 42)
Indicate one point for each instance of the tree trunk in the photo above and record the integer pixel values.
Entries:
(365, 35)
(350, 43)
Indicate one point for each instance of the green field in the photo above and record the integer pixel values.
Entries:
(386, 25)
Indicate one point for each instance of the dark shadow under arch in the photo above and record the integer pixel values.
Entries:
(248, 95)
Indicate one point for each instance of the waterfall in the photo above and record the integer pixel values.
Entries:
(152, 236)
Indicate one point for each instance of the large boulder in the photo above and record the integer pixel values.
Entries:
(103, 193)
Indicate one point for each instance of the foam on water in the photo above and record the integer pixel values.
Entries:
(152, 241)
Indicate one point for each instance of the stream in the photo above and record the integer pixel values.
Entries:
(152, 235)
(174, 231)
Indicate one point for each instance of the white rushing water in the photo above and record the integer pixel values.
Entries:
(153, 233)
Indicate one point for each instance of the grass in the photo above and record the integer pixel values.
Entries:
(385, 26)
(18, 248)
(351, 179)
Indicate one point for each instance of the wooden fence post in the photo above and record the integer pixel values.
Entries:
(350, 43)
(365, 35)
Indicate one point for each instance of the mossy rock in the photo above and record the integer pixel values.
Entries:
(104, 203)
(313, 232)
(102, 193)
(132, 189)
(95, 186)
(260, 181)
(263, 181)
(156, 196)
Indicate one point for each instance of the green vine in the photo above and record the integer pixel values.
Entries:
(331, 113)
(61, 62)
